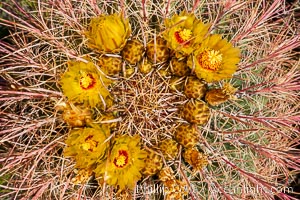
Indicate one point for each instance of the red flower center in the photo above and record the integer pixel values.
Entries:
(121, 160)
(183, 36)
(87, 81)
(89, 144)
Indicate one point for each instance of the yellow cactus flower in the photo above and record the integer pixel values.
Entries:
(82, 83)
(108, 33)
(184, 32)
(87, 146)
(216, 59)
(124, 164)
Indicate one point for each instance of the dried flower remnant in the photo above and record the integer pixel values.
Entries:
(75, 115)
(82, 176)
(124, 195)
(195, 158)
(215, 97)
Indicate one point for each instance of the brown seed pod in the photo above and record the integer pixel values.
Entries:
(179, 67)
(111, 65)
(186, 135)
(133, 51)
(195, 112)
(153, 163)
(194, 88)
(157, 50)
(169, 148)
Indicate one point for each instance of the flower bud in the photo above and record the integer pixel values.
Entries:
(108, 33)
